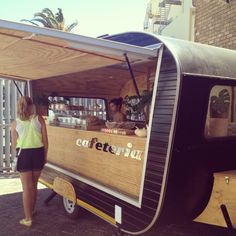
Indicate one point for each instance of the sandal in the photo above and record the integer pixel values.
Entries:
(26, 222)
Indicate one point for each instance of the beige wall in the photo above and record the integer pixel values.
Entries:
(215, 23)
(182, 26)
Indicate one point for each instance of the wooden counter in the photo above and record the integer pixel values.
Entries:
(115, 161)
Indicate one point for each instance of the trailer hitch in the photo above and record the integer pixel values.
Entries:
(227, 217)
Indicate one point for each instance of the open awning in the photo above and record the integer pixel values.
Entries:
(31, 53)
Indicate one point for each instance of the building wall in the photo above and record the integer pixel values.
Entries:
(151, 16)
(215, 22)
(182, 26)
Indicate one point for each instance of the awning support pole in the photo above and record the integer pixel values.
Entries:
(17, 88)
(132, 75)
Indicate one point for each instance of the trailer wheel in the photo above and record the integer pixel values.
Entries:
(72, 210)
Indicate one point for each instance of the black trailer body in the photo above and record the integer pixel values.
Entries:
(180, 157)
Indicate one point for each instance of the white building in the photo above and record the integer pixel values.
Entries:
(174, 18)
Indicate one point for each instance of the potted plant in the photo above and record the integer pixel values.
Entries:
(219, 113)
(137, 106)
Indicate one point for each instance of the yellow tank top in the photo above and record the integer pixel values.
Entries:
(29, 133)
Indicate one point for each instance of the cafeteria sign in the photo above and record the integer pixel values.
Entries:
(113, 149)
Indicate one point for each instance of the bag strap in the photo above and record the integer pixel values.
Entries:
(24, 134)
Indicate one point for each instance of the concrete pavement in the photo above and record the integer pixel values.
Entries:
(52, 221)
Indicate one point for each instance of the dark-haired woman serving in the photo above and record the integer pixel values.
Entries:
(115, 107)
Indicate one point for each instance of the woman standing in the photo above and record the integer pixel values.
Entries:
(29, 139)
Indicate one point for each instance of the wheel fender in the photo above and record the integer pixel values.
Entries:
(64, 188)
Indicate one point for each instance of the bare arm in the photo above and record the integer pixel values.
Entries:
(44, 136)
(14, 137)
(119, 117)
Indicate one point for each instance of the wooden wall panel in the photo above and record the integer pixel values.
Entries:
(118, 172)
(107, 82)
(128, 88)
(223, 193)
(40, 61)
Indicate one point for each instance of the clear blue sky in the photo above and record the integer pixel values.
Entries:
(95, 17)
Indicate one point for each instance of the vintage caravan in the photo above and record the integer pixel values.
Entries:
(134, 179)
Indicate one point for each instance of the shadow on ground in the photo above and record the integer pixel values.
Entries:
(51, 220)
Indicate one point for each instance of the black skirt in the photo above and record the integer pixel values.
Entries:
(30, 159)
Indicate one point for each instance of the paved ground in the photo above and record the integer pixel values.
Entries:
(52, 221)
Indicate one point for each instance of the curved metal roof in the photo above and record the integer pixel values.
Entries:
(134, 38)
(196, 58)
(192, 58)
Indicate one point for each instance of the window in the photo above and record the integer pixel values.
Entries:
(74, 112)
(221, 115)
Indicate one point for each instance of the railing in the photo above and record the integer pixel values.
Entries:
(163, 19)
(8, 100)
(160, 19)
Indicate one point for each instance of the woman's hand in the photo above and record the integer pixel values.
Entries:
(14, 137)
(44, 136)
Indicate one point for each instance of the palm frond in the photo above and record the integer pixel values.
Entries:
(40, 14)
(71, 26)
(59, 16)
(36, 14)
(54, 23)
(48, 12)
(49, 20)
(43, 22)
(45, 18)
(29, 21)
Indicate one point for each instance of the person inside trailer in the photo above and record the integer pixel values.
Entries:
(115, 105)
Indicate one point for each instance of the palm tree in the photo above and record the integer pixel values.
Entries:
(49, 20)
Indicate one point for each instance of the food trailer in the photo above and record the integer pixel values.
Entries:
(167, 172)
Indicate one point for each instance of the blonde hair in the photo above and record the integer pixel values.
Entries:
(24, 108)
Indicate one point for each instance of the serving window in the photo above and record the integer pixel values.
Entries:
(75, 112)
(100, 156)
(221, 115)
(85, 138)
